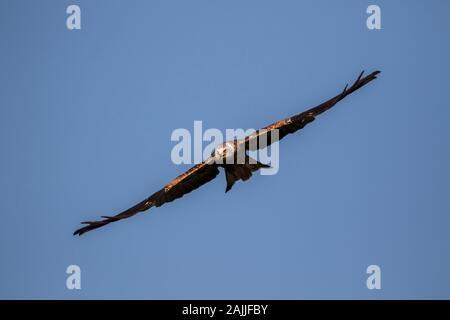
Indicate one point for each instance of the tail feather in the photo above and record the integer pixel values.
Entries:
(236, 172)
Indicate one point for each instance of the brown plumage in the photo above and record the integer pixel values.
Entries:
(206, 171)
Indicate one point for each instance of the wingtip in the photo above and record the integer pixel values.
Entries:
(81, 231)
(85, 229)
(360, 75)
(364, 80)
(375, 73)
(345, 89)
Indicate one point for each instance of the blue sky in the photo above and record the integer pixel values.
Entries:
(86, 118)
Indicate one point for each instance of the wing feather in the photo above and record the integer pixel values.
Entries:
(190, 180)
(263, 137)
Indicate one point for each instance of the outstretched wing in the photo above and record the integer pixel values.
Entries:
(178, 187)
(263, 137)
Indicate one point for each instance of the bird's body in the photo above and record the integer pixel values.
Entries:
(232, 157)
(225, 152)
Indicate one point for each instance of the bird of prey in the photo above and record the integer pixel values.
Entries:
(207, 170)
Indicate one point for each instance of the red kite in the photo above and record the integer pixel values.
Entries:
(204, 172)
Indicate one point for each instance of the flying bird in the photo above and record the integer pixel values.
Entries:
(207, 170)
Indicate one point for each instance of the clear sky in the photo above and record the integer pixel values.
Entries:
(86, 117)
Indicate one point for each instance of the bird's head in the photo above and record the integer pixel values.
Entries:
(224, 150)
